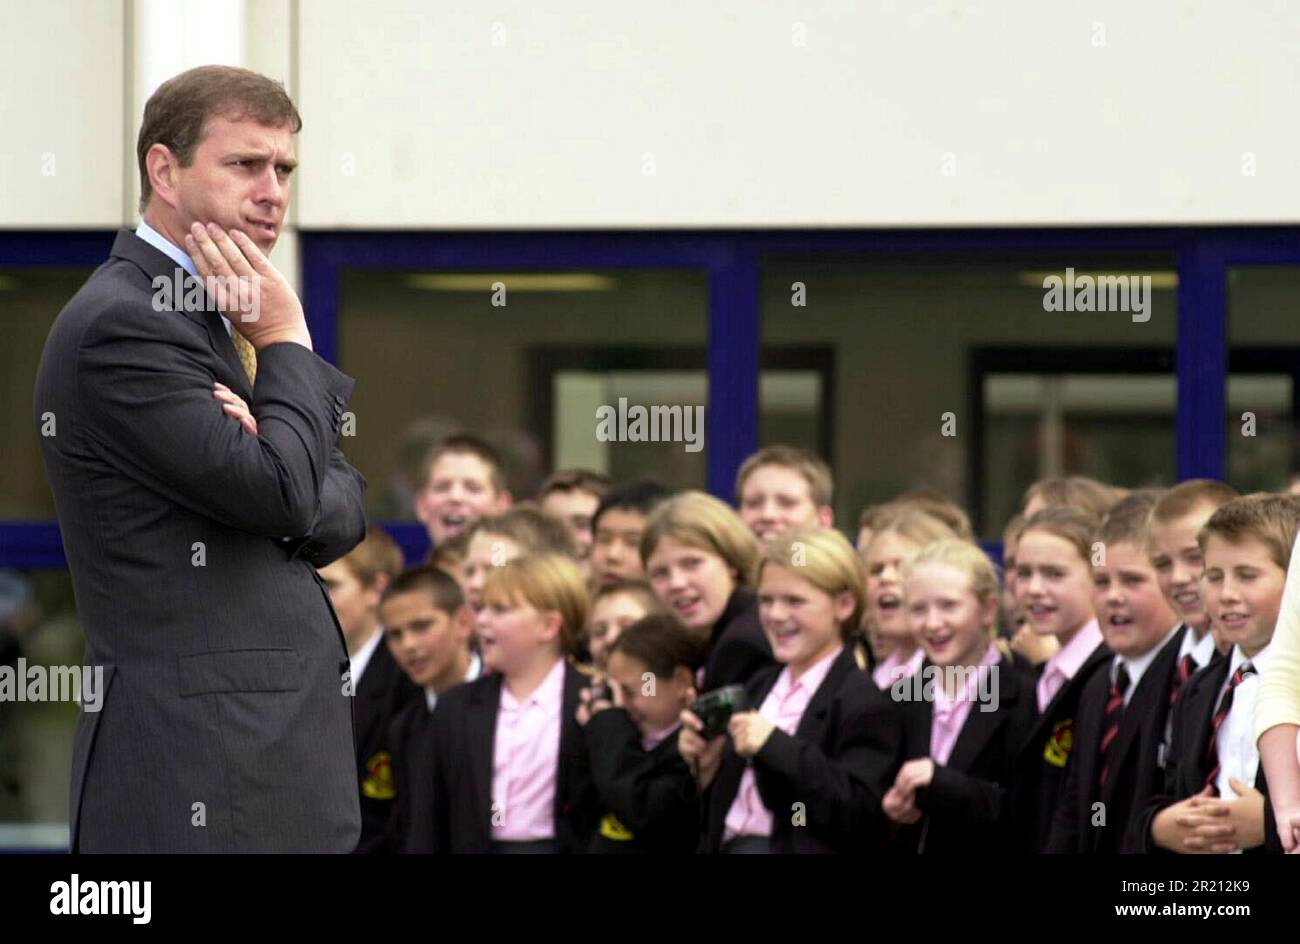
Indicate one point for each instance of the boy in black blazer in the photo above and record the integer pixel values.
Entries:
(1215, 796)
(1114, 767)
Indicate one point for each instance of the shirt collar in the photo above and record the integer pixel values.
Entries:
(812, 677)
(473, 672)
(1136, 667)
(1239, 659)
(167, 247)
(1071, 657)
(549, 693)
(1202, 650)
(362, 658)
(943, 703)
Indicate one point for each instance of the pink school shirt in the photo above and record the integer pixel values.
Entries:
(893, 669)
(950, 715)
(784, 707)
(1065, 665)
(525, 756)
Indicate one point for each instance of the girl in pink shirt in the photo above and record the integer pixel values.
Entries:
(510, 761)
(805, 771)
(897, 536)
(965, 711)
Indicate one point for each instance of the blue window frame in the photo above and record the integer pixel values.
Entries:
(732, 260)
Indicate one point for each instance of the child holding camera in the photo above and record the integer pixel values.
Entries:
(806, 772)
(510, 771)
(645, 788)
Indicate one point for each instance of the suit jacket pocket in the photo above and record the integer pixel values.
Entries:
(240, 670)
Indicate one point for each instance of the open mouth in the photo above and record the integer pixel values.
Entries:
(1188, 600)
(889, 603)
(455, 523)
(1116, 619)
(938, 640)
(687, 606)
(785, 635)
(1233, 620)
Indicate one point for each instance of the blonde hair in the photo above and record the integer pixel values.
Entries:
(377, 555)
(919, 527)
(703, 522)
(824, 558)
(546, 582)
(963, 556)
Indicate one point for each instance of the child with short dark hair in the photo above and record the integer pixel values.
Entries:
(645, 788)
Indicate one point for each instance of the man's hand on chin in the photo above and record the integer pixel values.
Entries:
(258, 300)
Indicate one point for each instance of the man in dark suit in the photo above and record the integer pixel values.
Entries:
(198, 487)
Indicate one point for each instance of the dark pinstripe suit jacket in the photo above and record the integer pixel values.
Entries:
(193, 546)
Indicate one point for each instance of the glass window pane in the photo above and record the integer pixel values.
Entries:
(39, 626)
(919, 353)
(1263, 360)
(30, 300)
(432, 354)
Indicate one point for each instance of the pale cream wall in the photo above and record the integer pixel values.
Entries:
(724, 113)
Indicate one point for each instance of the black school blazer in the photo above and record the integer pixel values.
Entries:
(648, 799)
(1186, 770)
(738, 647)
(1039, 772)
(409, 743)
(1136, 775)
(844, 755)
(463, 737)
(966, 803)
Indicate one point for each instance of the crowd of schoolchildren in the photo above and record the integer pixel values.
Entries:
(535, 686)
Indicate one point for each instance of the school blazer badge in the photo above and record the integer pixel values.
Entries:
(378, 784)
(1057, 751)
(611, 828)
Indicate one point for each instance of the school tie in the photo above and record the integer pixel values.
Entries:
(1221, 715)
(247, 355)
(1110, 722)
(1186, 666)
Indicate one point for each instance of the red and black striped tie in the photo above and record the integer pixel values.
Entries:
(1221, 715)
(1186, 666)
(1110, 723)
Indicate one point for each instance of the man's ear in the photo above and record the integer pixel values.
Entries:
(826, 515)
(163, 167)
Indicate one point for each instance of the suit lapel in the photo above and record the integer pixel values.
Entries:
(1201, 702)
(980, 726)
(156, 264)
(813, 721)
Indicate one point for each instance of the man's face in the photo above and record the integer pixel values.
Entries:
(239, 179)
(776, 497)
(575, 509)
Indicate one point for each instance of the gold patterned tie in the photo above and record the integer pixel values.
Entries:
(247, 355)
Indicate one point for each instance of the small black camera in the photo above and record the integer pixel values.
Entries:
(715, 709)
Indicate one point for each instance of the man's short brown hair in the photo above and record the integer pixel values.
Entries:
(178, 112)
(810, 467)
